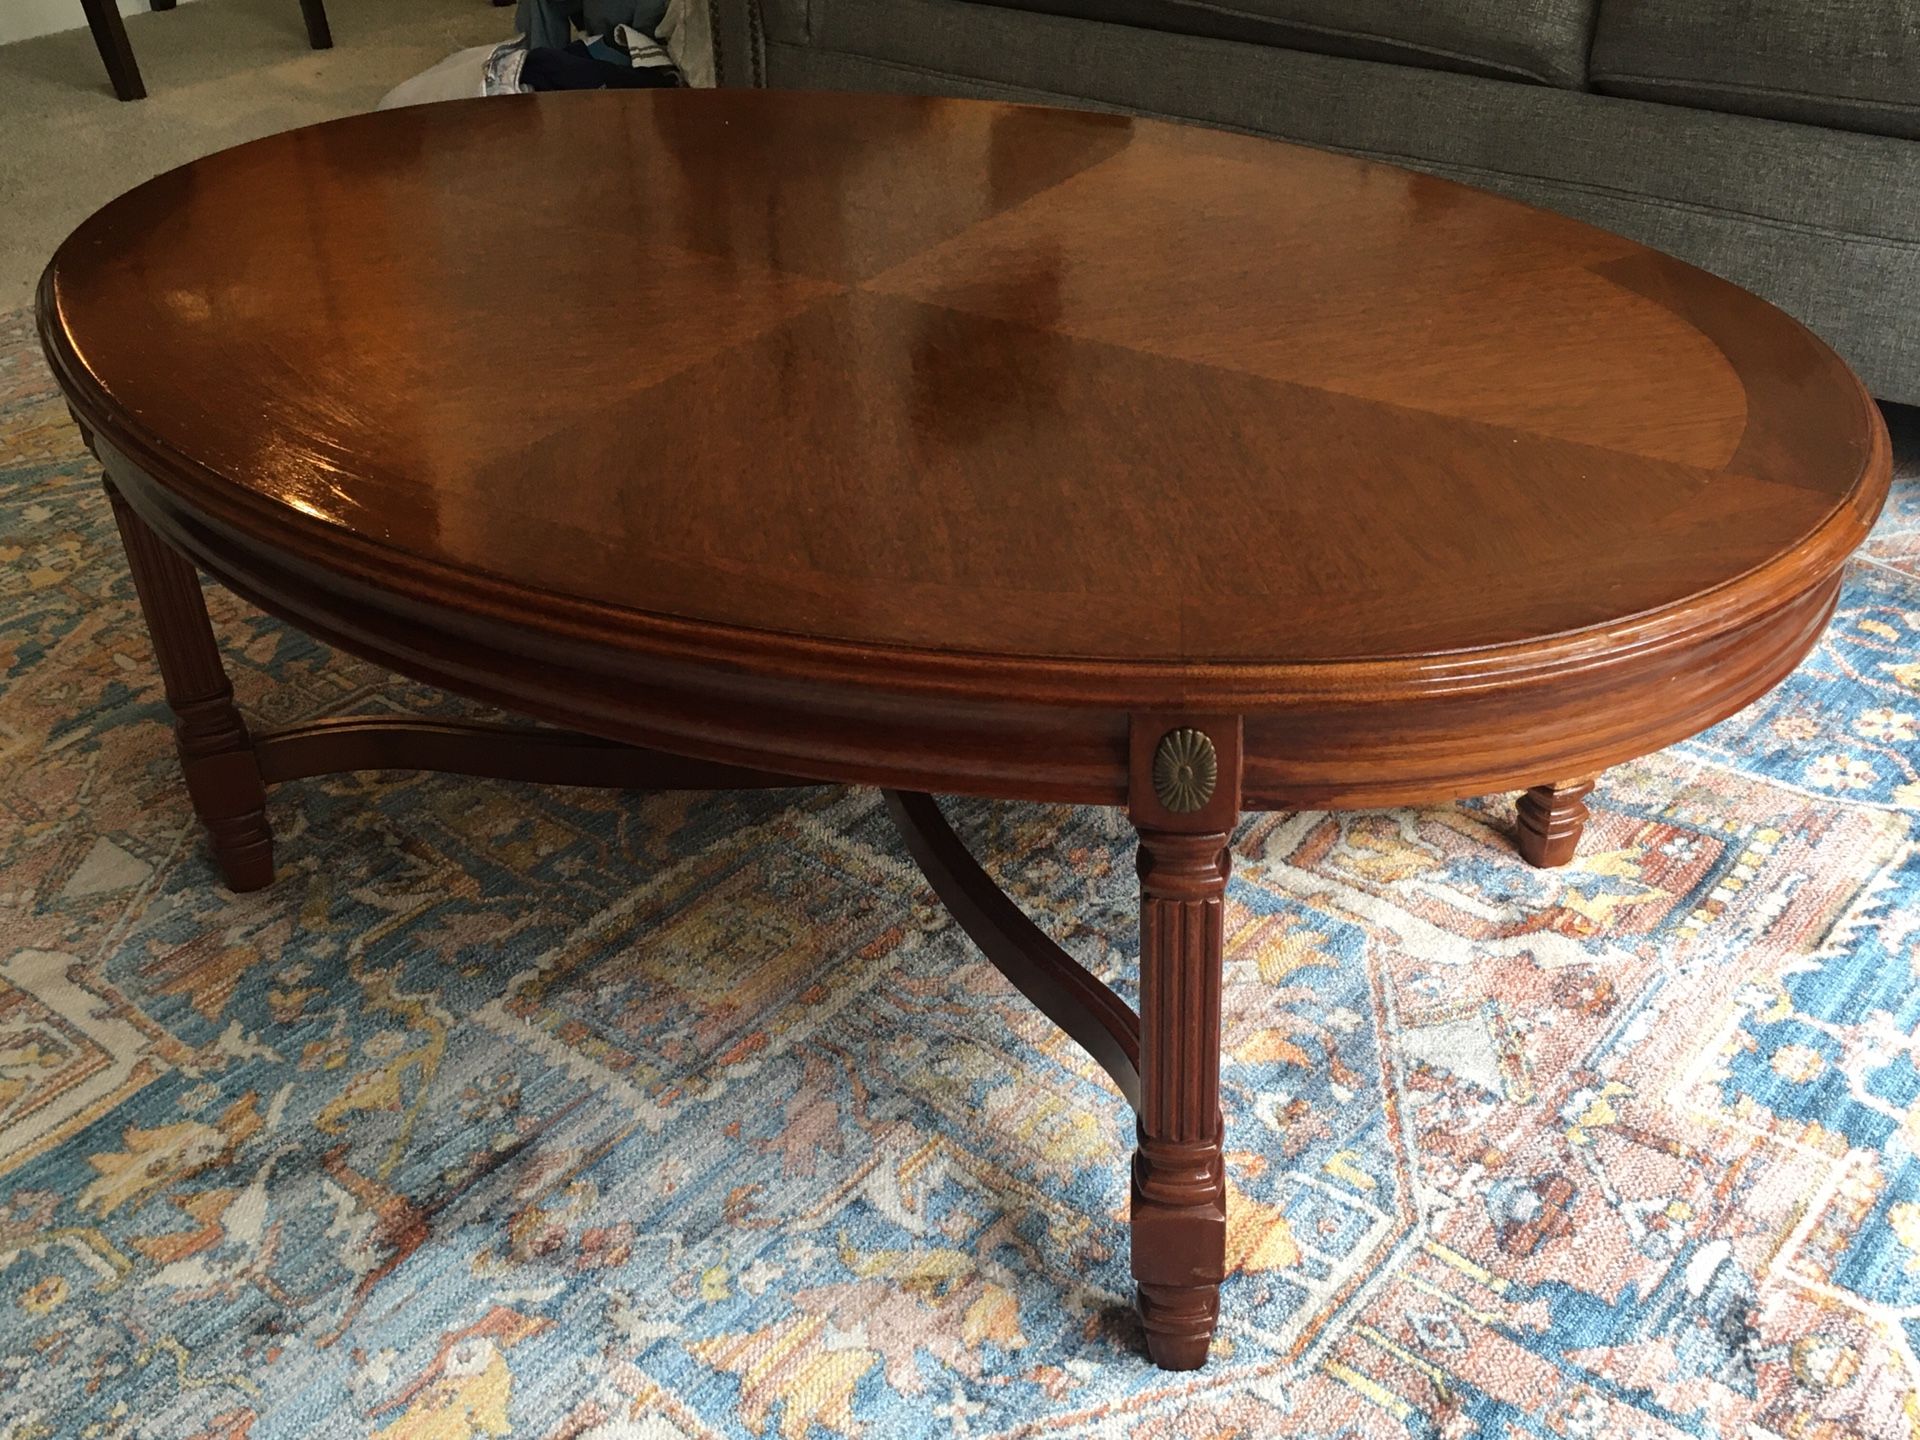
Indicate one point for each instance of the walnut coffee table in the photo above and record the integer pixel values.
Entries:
(941, 446)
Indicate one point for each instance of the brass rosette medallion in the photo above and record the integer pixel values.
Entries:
(1186, 770)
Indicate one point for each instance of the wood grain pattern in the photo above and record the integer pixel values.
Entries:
(1006, 353)
(918, 386)
(959, 447)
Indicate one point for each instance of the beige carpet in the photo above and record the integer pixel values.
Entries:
(217, 73)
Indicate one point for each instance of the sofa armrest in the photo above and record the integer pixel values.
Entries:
(736, 39)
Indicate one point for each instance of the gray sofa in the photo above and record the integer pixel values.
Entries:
(1776, 142)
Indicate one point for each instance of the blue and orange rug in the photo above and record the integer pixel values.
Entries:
(612, 1117)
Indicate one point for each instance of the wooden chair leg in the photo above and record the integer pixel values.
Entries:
(319, 33)
(110, 35)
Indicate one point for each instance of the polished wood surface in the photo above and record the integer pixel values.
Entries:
(871, 400)
(949, 446)
(1279, 402)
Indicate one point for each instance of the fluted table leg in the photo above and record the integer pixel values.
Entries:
(216, 752)
(1184, 799)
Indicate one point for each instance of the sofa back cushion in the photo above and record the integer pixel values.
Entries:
(1539, 40)
(1850, 64)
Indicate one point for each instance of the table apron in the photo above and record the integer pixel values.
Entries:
(1370, 751)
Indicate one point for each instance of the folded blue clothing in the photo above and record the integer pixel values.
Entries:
(581, 65)
(549, 24)
(625, 59)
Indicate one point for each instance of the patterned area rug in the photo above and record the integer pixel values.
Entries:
(570, 1114)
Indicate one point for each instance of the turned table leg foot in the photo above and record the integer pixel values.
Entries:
(1184, 799)
(1179, 1321)
(1551, 819)
(216, 752)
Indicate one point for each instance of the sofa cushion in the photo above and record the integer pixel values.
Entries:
(1539, 40)
(1850, 64)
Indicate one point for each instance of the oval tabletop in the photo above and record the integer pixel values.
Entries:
(960, 376)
